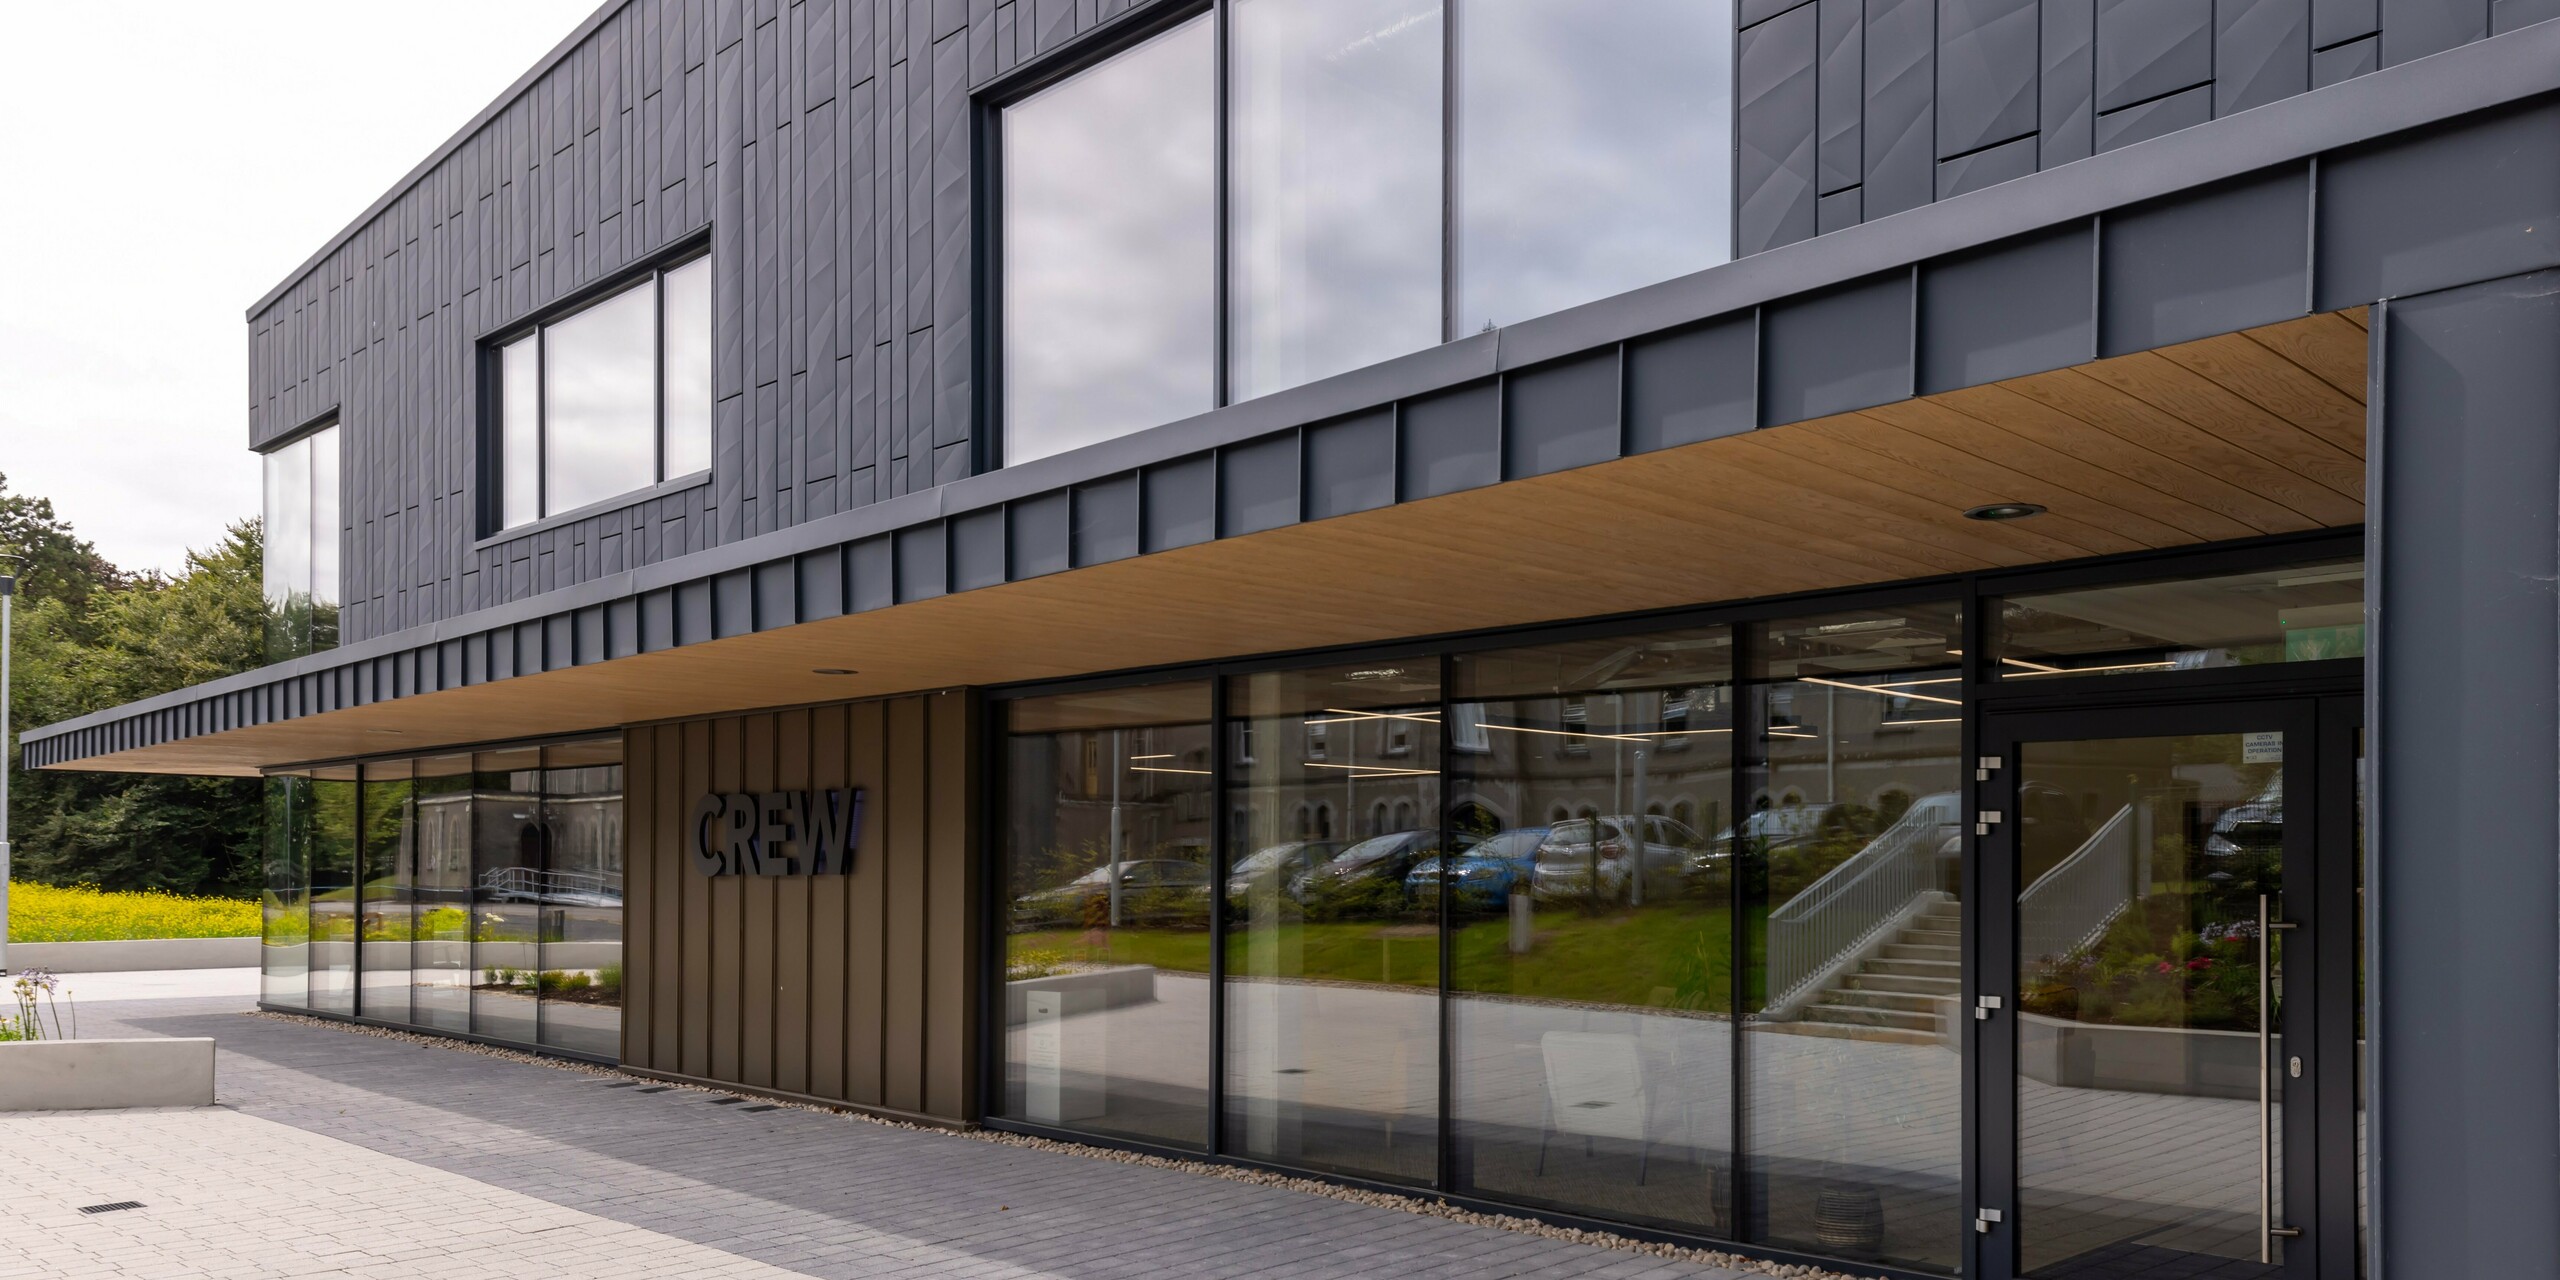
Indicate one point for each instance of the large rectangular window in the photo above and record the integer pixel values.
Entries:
(1106, 883)
(300, 569)
(606, 400)
(1592, 155)
(1109, 262)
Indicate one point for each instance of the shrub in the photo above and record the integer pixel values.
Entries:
(86, 913)
(1022, 966)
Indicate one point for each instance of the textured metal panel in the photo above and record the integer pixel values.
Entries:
(777, 594)
(2147, 48)
(2463, 758)
(1751, 12)
(2024, 307)
(1180, 504)
(1844, 349)
(2412, 29)
(2262, 52)
(733, 603)
(2228, 258)
(1840, 155)
(1560, 415)
(2346, 62)
(1038, 535)
(2388, 228)
(977, 549)
(1450, 441)
(2144, 121)
(822, 583)
(1351, 465)
(1841, 210)
(1901, 70)
(1774, 174)
(1258, 485)
(1696, 384)
(924, 562)
(872, 573)
(2507, 15)
(1987, 51)
(2338, 21)
(694, 616)
(1106, 521)
(2015, 158)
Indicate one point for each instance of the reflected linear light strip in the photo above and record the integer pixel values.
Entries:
(1161, 755)
(2040, 669)
(1336, 715)
(1914, 684)
(1638, 736)
(1843, 684)
(1376, 771)
(1140, 768)
(1941, 720)
(1789, 733)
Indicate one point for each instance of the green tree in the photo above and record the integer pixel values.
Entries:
(89, 637)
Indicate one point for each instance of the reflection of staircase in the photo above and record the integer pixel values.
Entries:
(1905, 993)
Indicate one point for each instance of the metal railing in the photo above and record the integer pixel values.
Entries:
(2083, 894)
(531, 884)
(1844, 910)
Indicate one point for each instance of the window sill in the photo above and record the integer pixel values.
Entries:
(619, 502)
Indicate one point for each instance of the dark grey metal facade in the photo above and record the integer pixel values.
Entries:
(1852, 110)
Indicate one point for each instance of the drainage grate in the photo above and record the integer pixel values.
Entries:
(110, 1208)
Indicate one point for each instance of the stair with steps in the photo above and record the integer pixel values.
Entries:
(1906, 993)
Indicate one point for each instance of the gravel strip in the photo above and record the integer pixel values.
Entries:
(1417, 1205)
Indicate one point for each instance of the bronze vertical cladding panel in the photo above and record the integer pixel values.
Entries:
(792, 972)
(726, 956)
(669, 856)
(640, 830)
(865, 931)
(903, 971)
(829, 954)
(693, 932)
(951, 947)
(755, 935)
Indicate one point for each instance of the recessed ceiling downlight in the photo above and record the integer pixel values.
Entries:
(2004, 511)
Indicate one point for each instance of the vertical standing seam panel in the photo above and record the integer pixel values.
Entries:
(866, 926)
(727, 955)
(903, 995)
(693, 957)
(756, 929)
(791, 918)
(673, 884)
(641, 829)
(951, 950)
(828, 914)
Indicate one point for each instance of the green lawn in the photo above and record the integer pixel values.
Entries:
(1675, 956)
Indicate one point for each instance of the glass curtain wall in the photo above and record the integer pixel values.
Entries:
(300, 567)
(436, 826)
(387, 901)
(330, 834)
(284, 958)
(1106, 877)
(1591, 926)
(579, 884)
(1333, 972)
(506, 865)
(1850, 857)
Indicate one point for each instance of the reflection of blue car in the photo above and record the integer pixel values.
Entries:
(1486, 874)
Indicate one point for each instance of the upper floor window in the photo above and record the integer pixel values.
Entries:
(605, 400)
(1398, 173)
(300, 572)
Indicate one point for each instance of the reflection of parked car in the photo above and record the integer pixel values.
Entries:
(2253, 826)
(1278, 866)
(1483, 876)
(1588, 857)
(1143, 883)
(1378, 864)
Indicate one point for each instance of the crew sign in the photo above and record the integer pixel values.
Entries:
(777, 833)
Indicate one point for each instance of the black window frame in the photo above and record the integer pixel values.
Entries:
(490, 354)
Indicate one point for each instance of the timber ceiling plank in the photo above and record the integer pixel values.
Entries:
(2180, 392)
(2125, 505)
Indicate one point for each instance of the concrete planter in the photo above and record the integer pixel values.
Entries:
(1083, 992)
(2197, 1064)
(135, 955)
(83, 1075)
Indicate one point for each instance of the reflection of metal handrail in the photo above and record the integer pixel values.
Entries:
(2072, 904)
(1852, 902)
(523, 883)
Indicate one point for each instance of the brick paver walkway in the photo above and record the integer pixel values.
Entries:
(804, 1191)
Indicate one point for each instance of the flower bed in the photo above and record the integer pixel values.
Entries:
(86, 913)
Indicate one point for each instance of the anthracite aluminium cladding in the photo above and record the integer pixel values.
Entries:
(829, 149)
(2324, 201)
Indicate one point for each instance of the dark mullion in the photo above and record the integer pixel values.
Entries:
(1220, 855)
(1973, 667)
(1746, 730)
(1448, 170)
(541, 428)
(658, 367)
(1221, 329)
(1445, 1175)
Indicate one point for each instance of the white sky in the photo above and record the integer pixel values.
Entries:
(167, 162)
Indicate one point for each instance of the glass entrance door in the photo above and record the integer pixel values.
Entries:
(2151, 1091)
